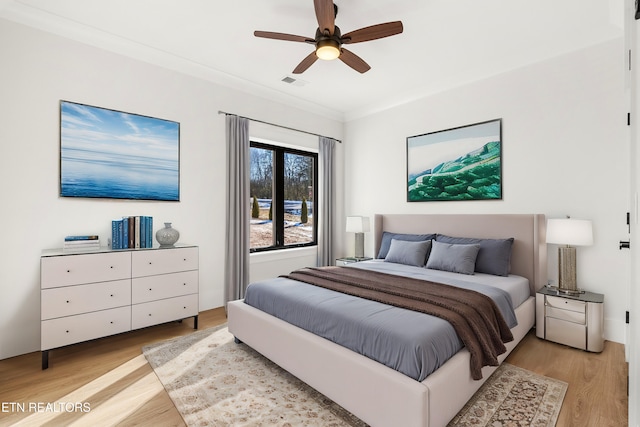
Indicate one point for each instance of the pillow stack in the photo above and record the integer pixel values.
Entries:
(462, 255)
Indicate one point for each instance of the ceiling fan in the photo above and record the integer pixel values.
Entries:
(328, 40)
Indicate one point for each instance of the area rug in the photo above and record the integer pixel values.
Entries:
(514, 397)
(216, 382)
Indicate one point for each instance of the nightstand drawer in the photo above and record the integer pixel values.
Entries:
(568, 315)
(568, 333)
(566, 304)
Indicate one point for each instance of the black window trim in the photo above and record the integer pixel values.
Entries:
(279, 152)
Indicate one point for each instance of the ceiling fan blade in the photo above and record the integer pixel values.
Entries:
(373, 32)
(306, 63)
(325, 13)
(283, 36)
(353, 61)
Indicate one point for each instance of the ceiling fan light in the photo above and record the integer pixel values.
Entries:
(328, 50)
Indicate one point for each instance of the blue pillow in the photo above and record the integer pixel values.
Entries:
(494, 256)
(453, 258)
(409, 253)
(385, 242)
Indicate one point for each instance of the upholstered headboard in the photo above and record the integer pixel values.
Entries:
(529, 253)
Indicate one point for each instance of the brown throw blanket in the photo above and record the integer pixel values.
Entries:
(475, 317)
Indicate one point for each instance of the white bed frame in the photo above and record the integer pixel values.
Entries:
(373, 392)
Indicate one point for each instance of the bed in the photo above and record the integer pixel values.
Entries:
(378, 394)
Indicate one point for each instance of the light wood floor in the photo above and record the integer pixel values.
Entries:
(113, 378)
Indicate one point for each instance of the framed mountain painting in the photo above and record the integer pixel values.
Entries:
(463, 163)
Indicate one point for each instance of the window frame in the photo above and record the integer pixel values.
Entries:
(279, 152)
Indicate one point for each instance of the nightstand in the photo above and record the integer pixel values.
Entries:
(345, 261)
(573, 320)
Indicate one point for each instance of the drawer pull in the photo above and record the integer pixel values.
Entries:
(67, 301)
(111, 266)
(111, 322)
(149, 314)
(150, 263)
(149, 288)
(68, 271)
(67, 331)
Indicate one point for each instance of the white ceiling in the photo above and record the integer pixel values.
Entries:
(445, 43)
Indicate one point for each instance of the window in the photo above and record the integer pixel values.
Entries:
(282, 185)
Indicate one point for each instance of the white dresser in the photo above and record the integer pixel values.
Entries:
(88, 295)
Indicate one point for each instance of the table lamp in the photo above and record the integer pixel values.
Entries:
(358, 225)
(568, 232)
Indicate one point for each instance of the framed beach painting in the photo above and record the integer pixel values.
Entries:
(463, 163)
(112, 154)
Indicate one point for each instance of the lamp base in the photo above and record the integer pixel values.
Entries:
(359, 245)
(567, 268)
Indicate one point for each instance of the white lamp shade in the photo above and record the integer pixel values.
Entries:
(357, 224)
(569, 231)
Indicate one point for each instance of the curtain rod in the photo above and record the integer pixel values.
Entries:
(280, 126)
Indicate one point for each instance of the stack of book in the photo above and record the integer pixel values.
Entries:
(78, 243)
(132, 232)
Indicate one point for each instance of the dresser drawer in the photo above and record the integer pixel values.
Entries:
(84, 268)
(166, 310)
(151, 288)
(71, 300)
(162, 261)
(568, 333)
(72, 329)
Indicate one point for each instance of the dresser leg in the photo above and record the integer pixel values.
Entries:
(45, 359)
(195, 322)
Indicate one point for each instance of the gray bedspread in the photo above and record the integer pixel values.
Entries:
(412, 343)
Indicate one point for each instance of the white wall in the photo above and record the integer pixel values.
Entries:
(565, 152)
(37, 71)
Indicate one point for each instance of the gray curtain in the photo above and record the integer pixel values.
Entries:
(236, 275)
(326, 201)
